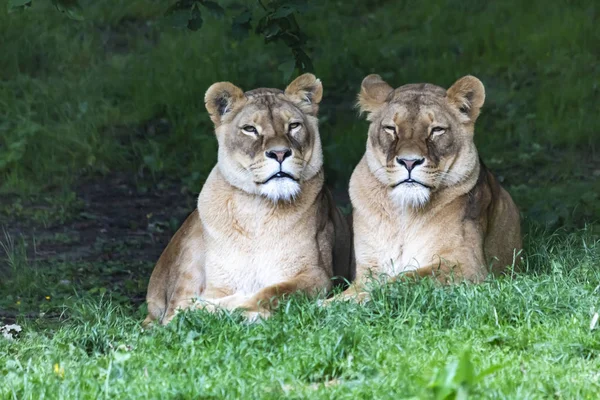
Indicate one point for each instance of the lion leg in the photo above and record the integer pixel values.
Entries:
(178, 276)
(260, 304)
(357, 290)
(445, 271)
(183, 296)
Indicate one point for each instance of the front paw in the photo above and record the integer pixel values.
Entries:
(359, 297)
(256, 316)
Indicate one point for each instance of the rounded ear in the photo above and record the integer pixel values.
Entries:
(221, 98)
(306, 91)
(468, 95)
(374, 91)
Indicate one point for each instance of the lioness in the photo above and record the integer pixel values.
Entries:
(423, 202)
(265, 224)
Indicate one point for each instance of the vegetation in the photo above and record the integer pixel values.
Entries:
(104, 141)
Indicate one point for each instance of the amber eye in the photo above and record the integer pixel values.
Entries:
(390, 129)
(438, 130)
(249, 129)
(293, 126)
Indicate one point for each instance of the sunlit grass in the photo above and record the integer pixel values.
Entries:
(531, 329)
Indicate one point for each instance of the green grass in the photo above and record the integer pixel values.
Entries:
(532, 329)
(121, 94)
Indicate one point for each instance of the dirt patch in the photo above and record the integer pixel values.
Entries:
(117, 220)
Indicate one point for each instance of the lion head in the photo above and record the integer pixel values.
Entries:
(421, 136)
(268, 139)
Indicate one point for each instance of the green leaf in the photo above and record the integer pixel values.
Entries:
(196, 21)
(243, 18)
(215, 9)
(486, 372)
(465, 371)
(70, 8)
(302, 6)
(14, 5)
(241, 25)
(283, 12)
(272, 29)
(18, 3)
(287, 68)
(303, 61)
(179, 18)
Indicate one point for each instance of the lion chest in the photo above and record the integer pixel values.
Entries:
(246, 269)
(250, 248)
(416, 245)
(404, 246)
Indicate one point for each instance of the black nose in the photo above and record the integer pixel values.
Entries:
(279, 155)
(410, 164)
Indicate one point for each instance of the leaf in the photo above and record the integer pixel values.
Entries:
(180, 5)
(70, 8)
(271, 29)
(465, 371)
(196, 21)
(214, 8)
(179, 18)
(287, 68)
(243, 18)
(241, 25)
(283, 12)
(18, 3)
(303, 61)
(486, 372)
(301, 6)
(14, 5)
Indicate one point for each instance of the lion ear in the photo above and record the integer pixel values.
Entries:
(306, 91)
(468, 95)
(221, 98)
(374, 91)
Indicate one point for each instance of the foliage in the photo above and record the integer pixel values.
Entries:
(458, 379)
(278, 22)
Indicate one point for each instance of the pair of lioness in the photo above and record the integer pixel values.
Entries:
(266, 225)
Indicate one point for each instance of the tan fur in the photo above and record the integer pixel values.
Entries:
(246, 246)
(459, 227)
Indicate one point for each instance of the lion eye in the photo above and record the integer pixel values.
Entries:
(438, 130)
(249, 129)
(390, 129)
(293, 126)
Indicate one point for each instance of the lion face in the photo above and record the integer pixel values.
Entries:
(269, 141)
(421, 136)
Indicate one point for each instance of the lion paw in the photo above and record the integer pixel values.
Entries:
(256, 316)
(360, 298)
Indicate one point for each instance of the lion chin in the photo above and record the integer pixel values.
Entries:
(280, 189)
(410, 195)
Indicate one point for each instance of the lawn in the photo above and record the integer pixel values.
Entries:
(105, 142)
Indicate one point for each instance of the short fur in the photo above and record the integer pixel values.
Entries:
(449, 217)
(255, 236)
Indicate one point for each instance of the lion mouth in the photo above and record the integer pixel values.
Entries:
(281, 175)
(411, 181)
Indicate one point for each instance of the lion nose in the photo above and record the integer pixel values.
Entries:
(279, 155)
(410, 164)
